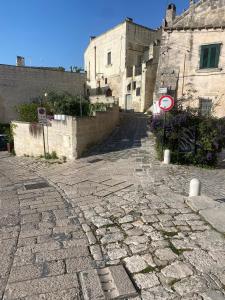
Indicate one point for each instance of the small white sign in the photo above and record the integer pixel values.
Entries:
(163, 90)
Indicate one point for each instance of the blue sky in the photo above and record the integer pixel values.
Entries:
(56, 32)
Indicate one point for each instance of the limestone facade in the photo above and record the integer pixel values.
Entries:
(20, 84)
(192, 56)
(122, 63)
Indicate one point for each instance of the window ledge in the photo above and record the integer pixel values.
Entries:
(209, 70)
(108, 66)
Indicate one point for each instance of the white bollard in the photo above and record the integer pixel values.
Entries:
(195, 188)
(167, 157)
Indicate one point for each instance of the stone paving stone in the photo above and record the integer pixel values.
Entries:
(149, 219)
(62, 254)
(7, 249)
(117, 253)
(193, 284)
(29, 272)
(74, 265)
(91, 238)
(41, 286)
(123, 284)
(91, 285)
(201, 260)
(96, 252)
(159, 293)
(126, 219)
(69, 294)
(177, 270)
(111, 238)
(136, 240)
(211, 295)
(165, 254)
(146, 281)
(100, 222)
(135, 263)
(135, 249)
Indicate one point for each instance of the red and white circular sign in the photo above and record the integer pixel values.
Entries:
(166, 103)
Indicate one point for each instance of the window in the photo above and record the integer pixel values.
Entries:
(210, 56)
(205, 107)
(129, 87)
(108, 93)
(134, 85)
(138, 91)
(109, 58)
(106, 80)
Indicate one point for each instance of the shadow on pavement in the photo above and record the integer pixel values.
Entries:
(128, 135)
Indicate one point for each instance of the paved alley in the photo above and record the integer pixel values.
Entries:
(79, 229)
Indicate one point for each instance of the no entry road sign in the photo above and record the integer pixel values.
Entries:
(166, 103)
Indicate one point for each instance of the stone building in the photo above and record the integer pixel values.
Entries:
(122, 64)
(192, 57)
(20, 84)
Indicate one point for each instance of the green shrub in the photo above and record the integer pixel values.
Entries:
(59, 103)
(28, 112)
(192, 139)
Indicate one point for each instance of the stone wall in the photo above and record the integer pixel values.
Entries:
(23, 84)
(69, 138)
(179, 63)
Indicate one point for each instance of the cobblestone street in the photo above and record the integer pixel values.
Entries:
(67, 229)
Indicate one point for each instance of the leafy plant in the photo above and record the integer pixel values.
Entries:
(192, 139)
(59, 103)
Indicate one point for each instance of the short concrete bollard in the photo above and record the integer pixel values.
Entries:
(167, 157)
(195, 188)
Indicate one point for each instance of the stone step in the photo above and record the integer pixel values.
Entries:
(107, 283)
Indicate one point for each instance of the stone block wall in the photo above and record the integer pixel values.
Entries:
(23, 84)
(69, 138)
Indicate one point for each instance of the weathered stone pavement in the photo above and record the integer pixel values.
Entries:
(118, 206)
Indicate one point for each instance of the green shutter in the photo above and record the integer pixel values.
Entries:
(218, 47)
(210, 56)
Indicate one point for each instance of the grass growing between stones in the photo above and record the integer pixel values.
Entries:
(148, 270)
(169, 234)
(174, 249)
(109, 225)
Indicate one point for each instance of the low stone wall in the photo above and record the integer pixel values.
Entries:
(69, 138)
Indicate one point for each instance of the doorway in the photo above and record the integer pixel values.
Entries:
(128, 102)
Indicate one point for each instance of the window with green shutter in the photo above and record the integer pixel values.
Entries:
(210, 56)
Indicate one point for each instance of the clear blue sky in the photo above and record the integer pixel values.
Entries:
(56, 32)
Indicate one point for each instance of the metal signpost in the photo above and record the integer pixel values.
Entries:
(42, 119)
(166, 103)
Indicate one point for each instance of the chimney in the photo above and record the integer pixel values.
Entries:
(20, 61)
(92, 37)
(129, 19)
(170, 15)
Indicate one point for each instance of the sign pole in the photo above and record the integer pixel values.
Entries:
(44, 140)
(166, 103)
(164, 131)
(42, 118)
